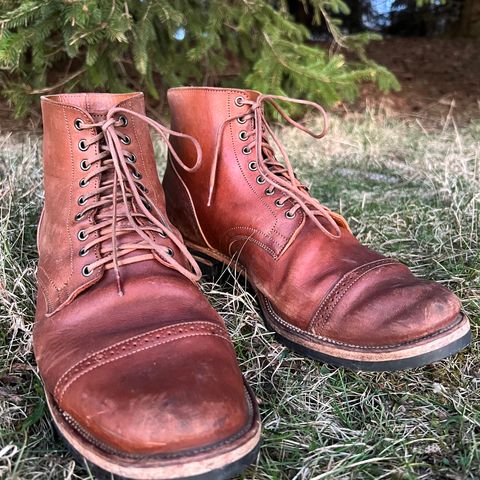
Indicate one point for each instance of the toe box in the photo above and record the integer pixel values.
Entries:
(181, 392)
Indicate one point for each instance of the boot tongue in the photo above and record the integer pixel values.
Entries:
(98, 105)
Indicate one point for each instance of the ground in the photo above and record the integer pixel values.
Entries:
(410, 192)
(439, 77)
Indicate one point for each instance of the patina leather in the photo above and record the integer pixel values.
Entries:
(245, 206)
(131, 354)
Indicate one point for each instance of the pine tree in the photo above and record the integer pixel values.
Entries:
(82, 45)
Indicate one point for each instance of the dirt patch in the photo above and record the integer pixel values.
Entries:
(439, 77)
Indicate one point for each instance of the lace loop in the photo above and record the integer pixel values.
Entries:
(121, 191)
(279, 175)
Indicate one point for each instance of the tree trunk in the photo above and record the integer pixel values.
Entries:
(469, 22)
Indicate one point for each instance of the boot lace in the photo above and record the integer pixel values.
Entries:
(121, 204)
(279, 175)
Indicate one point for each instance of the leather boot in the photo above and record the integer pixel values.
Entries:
(140, 375)
(324, 294)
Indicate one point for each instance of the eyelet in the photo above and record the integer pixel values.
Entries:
(239, 101)
(169, 252)
(83, 183)
(143, 188)
(82, 145)
(137, 175)
(123, 120)
(78, 123)
(81, 201)
(289, 215)
(278, 203)
(81, 235)
(269, 192)
(252, 166)
(148, 206)
(260, 180)
(132, 158)
(126, 140)
(243, 135)
(84, 165)
(86, 272)
(246, 151)
(83, 252)
(78, 216)
(162, 234)
(241, 120)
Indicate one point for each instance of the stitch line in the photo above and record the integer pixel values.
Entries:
(253, 240)
(133, 352)
(132, 340)
(333, 298)
(245, 429)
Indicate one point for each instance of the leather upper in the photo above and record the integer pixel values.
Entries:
(150, 369)
(330, 287)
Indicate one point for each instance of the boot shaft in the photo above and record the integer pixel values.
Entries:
(241, 204)
(79, 174)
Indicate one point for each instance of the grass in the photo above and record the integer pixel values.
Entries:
(412, 193)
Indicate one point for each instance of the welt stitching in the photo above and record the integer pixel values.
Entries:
(305, 334)
(341, 288)
(139, 350)
(132, 339)
(248, 426)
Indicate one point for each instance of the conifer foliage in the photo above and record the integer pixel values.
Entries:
(113, 45)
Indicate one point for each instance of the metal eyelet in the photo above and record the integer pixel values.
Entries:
(83, 252)
(86, 272)
(252, 166)
(126, 140)
(137, 175)
(239, 101)
(132, 158)
(83, 183)
(78, 122)
(170, 252)
(243, 135)
(148, 206)
(289, 214)
(246, 151)
(143, 188)
(278, 203)
(123, 120)
(241, 120)
(83, 145)
(81, 235)
(260, 180)
(78, 216)
(162, 234)
(81, 201)
(269, 192)
(84, 165)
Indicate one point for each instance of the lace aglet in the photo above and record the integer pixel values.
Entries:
(210, 195)
(119, 284)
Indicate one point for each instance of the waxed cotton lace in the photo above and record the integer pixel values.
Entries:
(280, 175)
(121, 202)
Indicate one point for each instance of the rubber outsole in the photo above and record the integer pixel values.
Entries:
(409, 362)
(380, 366)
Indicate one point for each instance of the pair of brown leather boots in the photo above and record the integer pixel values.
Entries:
(140, 374)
